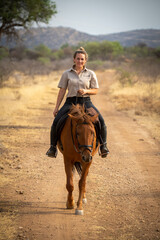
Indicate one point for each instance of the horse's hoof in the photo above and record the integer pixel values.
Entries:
(70, 206)
(84, 200)
(78, 212)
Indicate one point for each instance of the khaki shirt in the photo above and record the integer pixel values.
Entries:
(73, 82)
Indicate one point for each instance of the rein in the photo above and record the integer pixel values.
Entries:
(79, 145)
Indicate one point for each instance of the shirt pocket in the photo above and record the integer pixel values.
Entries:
(86, 81)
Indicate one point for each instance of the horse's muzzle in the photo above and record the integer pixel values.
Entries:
(86, 158)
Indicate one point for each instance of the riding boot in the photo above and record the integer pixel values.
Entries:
(52, 152)
(103, 142)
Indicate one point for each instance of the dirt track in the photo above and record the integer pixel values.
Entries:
(123, 191)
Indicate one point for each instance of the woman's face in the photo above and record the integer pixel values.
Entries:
(80, 60)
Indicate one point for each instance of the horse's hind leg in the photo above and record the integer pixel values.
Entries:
(69, 185)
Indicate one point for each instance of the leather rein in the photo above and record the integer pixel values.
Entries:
(88, 147)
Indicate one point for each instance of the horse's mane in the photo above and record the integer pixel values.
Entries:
(79, 112)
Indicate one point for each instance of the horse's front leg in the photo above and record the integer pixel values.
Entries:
(84, 200)
(69, 185)
(82, 184)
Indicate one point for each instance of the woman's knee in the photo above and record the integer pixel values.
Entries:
(61, 113)
(101, 119)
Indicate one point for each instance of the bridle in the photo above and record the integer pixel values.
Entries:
(88, 147)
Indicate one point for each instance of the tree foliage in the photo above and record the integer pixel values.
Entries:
(103, 50)
(100, 53)
(23, 13)
(43, 50)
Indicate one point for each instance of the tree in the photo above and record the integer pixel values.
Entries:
(108, 49)
(16, 14)
(92, 49)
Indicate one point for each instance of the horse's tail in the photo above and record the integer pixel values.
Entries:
(78, 167)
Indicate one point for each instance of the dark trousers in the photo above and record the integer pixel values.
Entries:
(86, 101)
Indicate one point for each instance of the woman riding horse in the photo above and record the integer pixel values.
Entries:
(81, 83)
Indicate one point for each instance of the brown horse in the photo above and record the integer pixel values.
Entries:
(78, 146)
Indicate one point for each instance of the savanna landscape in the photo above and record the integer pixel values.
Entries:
(123, 190)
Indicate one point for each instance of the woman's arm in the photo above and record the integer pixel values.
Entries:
(91, 91)
(60, 97)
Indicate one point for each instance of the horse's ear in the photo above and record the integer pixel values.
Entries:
(73, 117)
(73, 105)
(94, 118)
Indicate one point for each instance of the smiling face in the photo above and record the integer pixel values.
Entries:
(80, 60)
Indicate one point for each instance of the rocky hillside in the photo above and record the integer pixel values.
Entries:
(57, 36)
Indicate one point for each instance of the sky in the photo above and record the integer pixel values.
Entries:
(107, 16)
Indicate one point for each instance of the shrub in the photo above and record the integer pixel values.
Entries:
(18, 52)
(59, 54)
(157, 52)
(43, 50)
(125, 77)
(44, 60)
(92, 49)
(97, 64)
(3, 53)
(32, 54)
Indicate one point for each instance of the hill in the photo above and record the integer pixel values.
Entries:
(55, 37)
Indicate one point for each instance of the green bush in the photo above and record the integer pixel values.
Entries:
(44, 60)
(138, 51)
(3, 53)
(59, 54)
(104, 50)
(43, 50)
(157, 52)
(32, 54)
(92, 49)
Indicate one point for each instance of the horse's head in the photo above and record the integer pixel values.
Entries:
(83, 133)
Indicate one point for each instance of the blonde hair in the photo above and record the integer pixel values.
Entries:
(81, 50)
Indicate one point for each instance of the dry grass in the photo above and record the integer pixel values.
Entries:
(21, 92)
(140, 99)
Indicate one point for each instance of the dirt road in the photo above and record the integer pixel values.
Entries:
(123, 191)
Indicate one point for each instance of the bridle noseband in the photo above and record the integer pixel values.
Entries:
(88, 147)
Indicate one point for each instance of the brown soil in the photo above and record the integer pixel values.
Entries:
(123, 191)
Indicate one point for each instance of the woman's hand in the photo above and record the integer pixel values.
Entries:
(60, 97)
(91, 91)
(82, 91)
(55, 112)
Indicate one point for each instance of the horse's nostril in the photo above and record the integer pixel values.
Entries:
(86, 159)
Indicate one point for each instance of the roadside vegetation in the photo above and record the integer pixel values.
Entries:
(136, 85)
(102, 55)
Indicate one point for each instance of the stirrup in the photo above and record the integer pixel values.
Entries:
(103, 154)
(52, 152)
